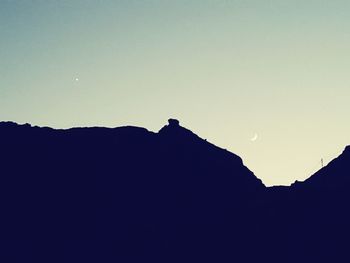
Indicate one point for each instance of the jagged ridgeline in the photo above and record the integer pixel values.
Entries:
(130, 195)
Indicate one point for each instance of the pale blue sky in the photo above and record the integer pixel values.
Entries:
(226, 69)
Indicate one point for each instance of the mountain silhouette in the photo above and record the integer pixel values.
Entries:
(130, 195)
(339, 168)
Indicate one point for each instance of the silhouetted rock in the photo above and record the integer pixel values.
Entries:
(173, 122)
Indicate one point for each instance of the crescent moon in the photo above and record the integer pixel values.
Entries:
(254, 138)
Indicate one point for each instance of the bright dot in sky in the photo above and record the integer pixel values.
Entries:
(254, 138)
(76, 79)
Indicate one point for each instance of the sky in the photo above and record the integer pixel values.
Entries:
(227, 69)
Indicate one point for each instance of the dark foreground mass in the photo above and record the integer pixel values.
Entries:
(130, 195)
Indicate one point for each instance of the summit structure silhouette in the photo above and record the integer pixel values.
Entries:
(127, 194)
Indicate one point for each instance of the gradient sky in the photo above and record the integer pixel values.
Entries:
(227, 69)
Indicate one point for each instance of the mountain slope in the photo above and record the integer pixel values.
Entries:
(333, 176)
(126, 187)
(130, 195)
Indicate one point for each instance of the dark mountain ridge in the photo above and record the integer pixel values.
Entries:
(338, 166)
(130, 195)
